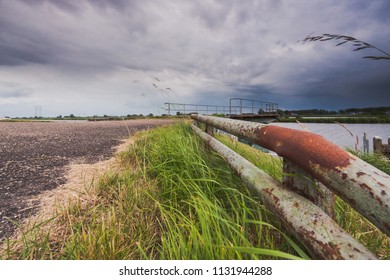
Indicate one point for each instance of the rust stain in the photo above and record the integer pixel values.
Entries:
(383, 192)
(328, 250)
(386, 176)
(304, 148)
(272, 196)
(357, 250)
(364, 186)
(360, 174)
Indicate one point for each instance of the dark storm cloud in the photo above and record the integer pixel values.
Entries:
(208, 51)
(11, 56)
(377, 9)
(70, 6)
(364, 84)
(18, 47)
(15, 94)
(120, 5)
(77, 5)
(42, 38)
(21, 43)
(259, 92)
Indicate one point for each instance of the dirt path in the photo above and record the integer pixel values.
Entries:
(35, 156)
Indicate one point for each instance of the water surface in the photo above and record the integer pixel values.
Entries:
(344, 135)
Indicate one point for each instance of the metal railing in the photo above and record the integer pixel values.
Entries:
(250, 106)
(307, 210)
(174, 108)
(237, 106)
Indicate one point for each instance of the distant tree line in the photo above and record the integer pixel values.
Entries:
(349, 111)
(369, 111)
(308, 112)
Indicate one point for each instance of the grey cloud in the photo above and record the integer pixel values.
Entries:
(20, 44)
(76, 6)
(15, 94)
(213, 14)
(241, 48)
(12, 57)
(15, 50)
(13, 89)
(77, 38)
(120, 5)
(344, 87)
(66, 5)
(260, 93)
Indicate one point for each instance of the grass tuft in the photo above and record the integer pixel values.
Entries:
(205, 208)
(375, 159)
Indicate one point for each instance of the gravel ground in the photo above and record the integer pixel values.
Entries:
(34, 156)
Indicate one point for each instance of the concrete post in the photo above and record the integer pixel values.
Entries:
(366, 143)
(377, 144)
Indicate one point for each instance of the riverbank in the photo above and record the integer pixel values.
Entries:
(336, 119)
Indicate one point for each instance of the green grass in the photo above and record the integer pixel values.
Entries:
(379, 161)
(170, 197)
(206, 211)
(272, 165)
(120, 224)
(362, 230)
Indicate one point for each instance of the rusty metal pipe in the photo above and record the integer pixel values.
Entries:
(323, 237)
(363, 186)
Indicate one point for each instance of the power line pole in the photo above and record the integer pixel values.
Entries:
(38, 111)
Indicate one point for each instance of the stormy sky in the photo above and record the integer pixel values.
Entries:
(124, 57)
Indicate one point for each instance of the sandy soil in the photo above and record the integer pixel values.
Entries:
(37, 158)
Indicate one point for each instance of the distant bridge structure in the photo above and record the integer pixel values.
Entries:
(187, 109)
(238, 108)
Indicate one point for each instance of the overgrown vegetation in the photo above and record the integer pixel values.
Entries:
(375, 159)
(362, 230)
(349, 115)
(170, 197)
